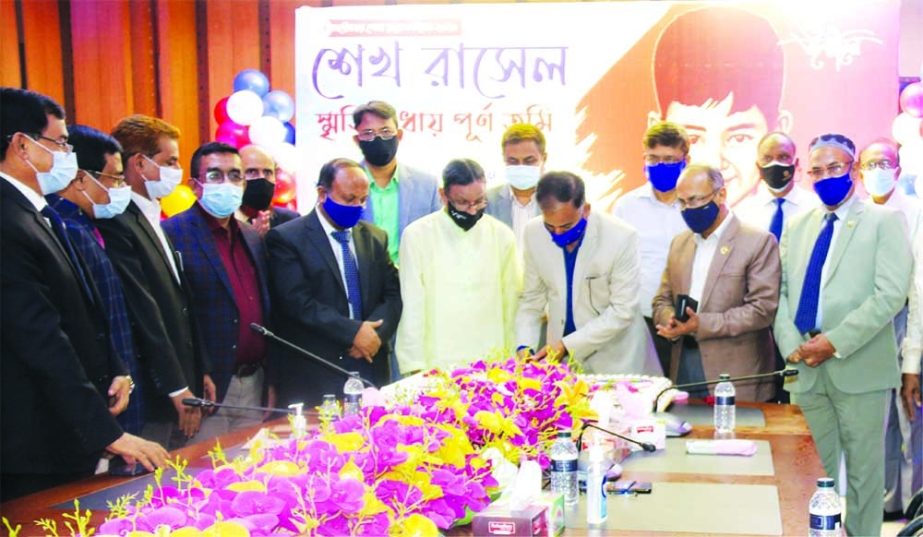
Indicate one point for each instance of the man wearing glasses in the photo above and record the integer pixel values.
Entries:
(732, 271)
(256, 208)
(460, 278)
(845, 275)
(879, 167)
(224, 263)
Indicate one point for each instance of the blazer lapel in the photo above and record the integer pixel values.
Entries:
(585, 254)
(725, 247)
(322, 245)
(152, 236)
(506, 207)
(202, 235)
(847, 229)
(362, 240)
(685, 256)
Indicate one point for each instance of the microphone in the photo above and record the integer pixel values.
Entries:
(646, 446)
(205, 403)
(262, 330)
(780, 373)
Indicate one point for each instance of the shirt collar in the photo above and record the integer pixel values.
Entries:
(34, 198)
(393, 184)
(719, 231)
(328, 227)
(213, 223)
(843, 210)
(66, 208)
(149, 208)
(516, 200)
(647, 191)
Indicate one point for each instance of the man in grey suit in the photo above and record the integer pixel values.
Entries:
(398, 194)
(834, 323)
(514, 203)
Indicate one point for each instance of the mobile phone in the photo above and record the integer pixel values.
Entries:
(683, 302)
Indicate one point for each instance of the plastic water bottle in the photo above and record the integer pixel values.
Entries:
(725, 410)
(564, 467)
(352, 394)
(596, 512)
(330, 408)
(825, 510)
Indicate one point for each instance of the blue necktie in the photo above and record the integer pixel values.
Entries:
(775, 227)
(351, 270)
(806, 317)
(60, 231)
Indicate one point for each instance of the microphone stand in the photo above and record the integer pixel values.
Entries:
(780, 373)
(646, 446)
(205, 403)
(262, 330)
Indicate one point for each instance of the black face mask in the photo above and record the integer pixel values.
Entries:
(463, 220)
(777, 176)
(379, 152)
(258, 194)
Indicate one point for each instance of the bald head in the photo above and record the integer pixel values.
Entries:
(776, 147)
(878, 151)
(257, 162)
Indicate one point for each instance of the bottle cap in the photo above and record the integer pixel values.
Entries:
(825, 483)
(724, 376)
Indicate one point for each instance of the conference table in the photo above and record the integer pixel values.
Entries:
(766, 494)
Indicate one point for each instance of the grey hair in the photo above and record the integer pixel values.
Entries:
(714, 174)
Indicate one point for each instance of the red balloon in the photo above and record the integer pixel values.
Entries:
(221, 111)
(285, 189)
(233, 134)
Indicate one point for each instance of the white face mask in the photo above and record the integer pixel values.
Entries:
(879, 182)
(62, 172)
(522, 177)
(119, 198)
(222, 199)
(170, 178)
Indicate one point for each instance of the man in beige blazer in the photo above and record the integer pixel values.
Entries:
(584, 268)
(732, 271)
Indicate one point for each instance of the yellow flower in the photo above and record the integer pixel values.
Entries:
(246, 486)
(498, 376)
(280, 468)
(351, 470)
(186, 532)
(345, 441)
(373, 505)
(415, 525)
(226, 529)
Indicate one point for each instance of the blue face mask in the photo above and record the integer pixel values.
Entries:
(572, 235)
(221, 200)
(345, 216)
(701, 218)
(833, 190)
(663, 176)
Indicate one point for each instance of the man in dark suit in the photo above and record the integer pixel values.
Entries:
(257, 208)
(56, 358)
(335, 289)
(170, 353)
(224, 263)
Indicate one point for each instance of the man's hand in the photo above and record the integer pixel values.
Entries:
(555, 350)
(359, 354)
(119, 392)
(795, 357)
(261, 222)
(910, 393)
(271, 399)
(816, 350)
(134, 449)
(210, 393)
(674, 328)
(189, 418)
(367, 340)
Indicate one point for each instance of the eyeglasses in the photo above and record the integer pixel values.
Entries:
(118, 181)
(832, 170)
(880, 164)
(63, 145)
(368, 134)
(216, 177)
(653, 160)
(253, 174)
(476, 205)
(696, 201)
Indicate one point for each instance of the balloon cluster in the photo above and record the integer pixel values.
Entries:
(907, 128)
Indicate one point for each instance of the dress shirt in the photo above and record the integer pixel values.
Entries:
(704, 254)
(34, 197)
(521, 215)
(758, 209)
(841, 213)
(657, 223)
(570, 261)
(460, 290)
(151, 211)
(386, 211)
(913, 341)
(338, 252)
(911, 208)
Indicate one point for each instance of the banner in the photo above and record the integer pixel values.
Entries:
(592, 77)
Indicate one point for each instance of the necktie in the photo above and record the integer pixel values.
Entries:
(806, 317)
(351, 272)
(60, 231)
(775, 227)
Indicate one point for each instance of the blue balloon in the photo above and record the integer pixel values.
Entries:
(253, 80)
(279, 105)
(289, 133)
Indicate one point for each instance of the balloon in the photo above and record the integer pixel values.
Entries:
(290, 132)
(911, 155)
(244, 107)
(267, 131)
(285, 155)
(232, 134)
(253, 80)
(906, 128)
(285, 188)
(279, 105)
(178, 201)
(221, 111)
(912, 99)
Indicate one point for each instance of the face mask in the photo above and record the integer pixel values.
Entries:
(379, 152)
(833, 191)
(345, 216)
(776, 175)
(701, 218)
(462, 219)
(170, 178)
(663, 176)
(119, 199)
(222, 199)
(879, 182)
(62, 172)
(572, 235)
(522, 177)
(258, 193)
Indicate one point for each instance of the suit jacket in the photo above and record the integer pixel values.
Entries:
(281, 215)
(56, 358)
(868, 277)
(170, 352)
(418, 195)
(312, 311)
(500, 204)
(739, 300)
(611, 336)
(216, 311)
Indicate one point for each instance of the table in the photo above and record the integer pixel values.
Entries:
(794, 458)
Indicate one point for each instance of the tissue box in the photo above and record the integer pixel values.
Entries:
(500, 520)
(647, 430)
(554, 514)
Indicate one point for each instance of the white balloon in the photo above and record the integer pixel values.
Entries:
(285, 155)
(244, 107)
(267, 131)
(912, 157)
(906, 128)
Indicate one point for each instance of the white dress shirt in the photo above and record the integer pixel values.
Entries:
(704, 254)
(657, 223)
(521, 214)
(841, 213)
(911, 208)
(758, 209)
(34, 197)
(912, 349)
(338, 251)
(151, 211)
